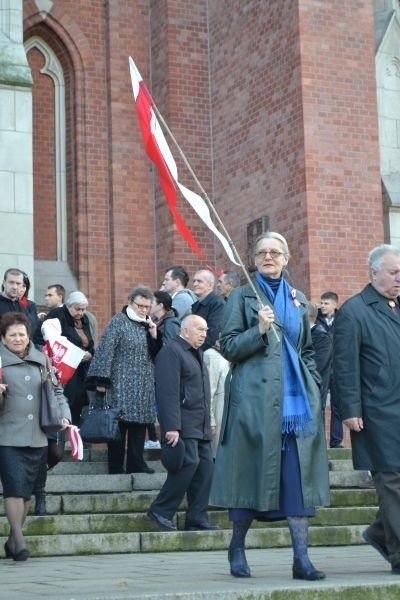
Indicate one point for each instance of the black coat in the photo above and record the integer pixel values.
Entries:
(183, 391)
(74, 389)
(323, 348)
(366, 371)
(7, 305)
(211, 308)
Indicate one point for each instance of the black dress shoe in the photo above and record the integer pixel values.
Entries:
(376, 543)
(303, 569)
(396, 569)
(200, 526)
(145, 469)
(161, 521)
(238, 562)
(21, 555)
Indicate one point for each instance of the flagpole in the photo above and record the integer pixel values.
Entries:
(211, 206)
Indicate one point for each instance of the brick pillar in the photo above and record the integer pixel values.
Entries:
(180, 86)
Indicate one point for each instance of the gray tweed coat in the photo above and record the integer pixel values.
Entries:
(123, 363)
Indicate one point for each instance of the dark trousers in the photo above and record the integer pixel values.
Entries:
(194, 479)
(336, 433)
(136, 433)
(151, 431)
(386, 526)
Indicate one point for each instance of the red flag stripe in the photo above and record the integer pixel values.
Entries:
(144, 103)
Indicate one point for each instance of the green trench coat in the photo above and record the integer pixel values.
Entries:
(247, 467)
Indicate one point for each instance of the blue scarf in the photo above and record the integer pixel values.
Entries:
(296, 413)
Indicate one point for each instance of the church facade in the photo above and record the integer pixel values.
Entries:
(287, 112)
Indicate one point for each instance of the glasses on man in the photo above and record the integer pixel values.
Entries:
(142, 306)
(272, 252)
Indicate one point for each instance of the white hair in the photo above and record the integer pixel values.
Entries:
(76, 297)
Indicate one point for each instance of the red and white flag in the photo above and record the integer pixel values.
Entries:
(63, 354)
(159, 153)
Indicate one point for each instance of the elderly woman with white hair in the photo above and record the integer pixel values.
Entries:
(75, 326)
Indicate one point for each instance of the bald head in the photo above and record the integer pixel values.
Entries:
(194, 330)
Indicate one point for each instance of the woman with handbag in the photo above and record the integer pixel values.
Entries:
(22, 441)
(123, 368)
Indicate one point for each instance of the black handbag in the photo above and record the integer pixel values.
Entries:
(51, 413)
(99, 420)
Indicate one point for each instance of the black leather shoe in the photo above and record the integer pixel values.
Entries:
(21, 555)
(238, 562)
(40, 505)
(145, 469)
(161, 521)
(376, 543)
(200, 526)
(303, 569)
(396, 569)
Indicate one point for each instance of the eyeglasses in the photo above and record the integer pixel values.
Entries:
(142, 306)
(272, 252)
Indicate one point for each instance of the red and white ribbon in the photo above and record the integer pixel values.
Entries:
(75, 441)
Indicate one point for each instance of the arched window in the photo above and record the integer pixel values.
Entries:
(50, 209)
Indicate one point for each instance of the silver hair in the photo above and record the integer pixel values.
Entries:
(376, 255)
(209, 275)
(272, 235)
(76, 297)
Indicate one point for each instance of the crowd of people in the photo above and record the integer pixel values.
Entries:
(237, 378)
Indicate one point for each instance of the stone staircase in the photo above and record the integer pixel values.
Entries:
(91, 512)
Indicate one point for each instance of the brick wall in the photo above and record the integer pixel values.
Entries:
(273, 104)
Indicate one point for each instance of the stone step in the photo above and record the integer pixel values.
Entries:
(351, 479)
(160, 541)
(104, 483)
(97, 467)
(140, 500)
(98, 452)
(340, 465)
(139, 522)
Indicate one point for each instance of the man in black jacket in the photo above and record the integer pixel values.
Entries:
(209, 305)
(10, 293)
(183, 402)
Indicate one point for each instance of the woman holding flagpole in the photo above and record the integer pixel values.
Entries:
(271, 462)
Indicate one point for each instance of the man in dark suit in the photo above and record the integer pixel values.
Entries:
(326, 318)
(209, 305)
(183, 402)
(323, 346)
(366, 368)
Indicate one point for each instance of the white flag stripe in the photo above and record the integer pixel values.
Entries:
(135, 77)
(198, 204)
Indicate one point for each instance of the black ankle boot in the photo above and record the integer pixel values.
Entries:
(238, 562)
(304, 569)
(40, 504)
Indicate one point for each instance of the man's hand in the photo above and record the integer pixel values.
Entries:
(354, 423)
(172, 437)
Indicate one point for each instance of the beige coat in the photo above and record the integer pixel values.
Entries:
(19, 406)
